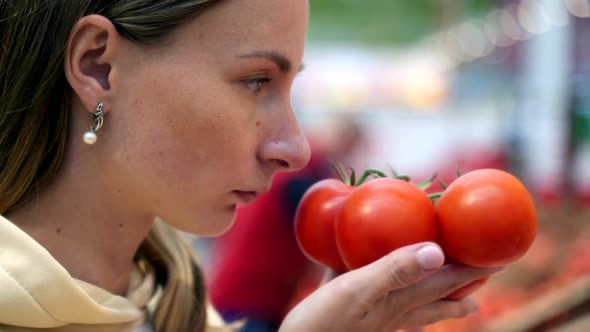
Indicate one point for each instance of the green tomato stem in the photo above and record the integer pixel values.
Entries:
(341, 172)
(435, 195)
(426, 184)
(367, 173)
(403, 178)
(393, 172)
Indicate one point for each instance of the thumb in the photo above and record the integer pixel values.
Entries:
(399, 269)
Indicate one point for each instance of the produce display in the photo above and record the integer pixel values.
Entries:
(483, 218)
(548, 289)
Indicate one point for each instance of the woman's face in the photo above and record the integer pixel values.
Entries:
(203, 122)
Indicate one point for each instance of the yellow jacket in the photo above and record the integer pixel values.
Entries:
(37, 292)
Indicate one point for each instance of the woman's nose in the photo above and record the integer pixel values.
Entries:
(286, 149)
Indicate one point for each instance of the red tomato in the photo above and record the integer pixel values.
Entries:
(486, 218)
(380, 216)
(315, 218)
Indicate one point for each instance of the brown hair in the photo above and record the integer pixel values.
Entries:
(34, 118)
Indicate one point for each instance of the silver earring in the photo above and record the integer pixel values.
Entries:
(98, 118)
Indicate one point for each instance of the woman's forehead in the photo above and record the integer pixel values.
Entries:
(240, 27)
(252, 20)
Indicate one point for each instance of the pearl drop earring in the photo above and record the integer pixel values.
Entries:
(98, 118)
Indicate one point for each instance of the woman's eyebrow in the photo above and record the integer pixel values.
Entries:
(280, 60)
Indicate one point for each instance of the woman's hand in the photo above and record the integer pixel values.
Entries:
(402, 290)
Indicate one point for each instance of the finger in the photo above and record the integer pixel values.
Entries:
(400, 268)
(438, 311)
(442, 283)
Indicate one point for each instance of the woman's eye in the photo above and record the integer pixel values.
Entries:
(255, 84)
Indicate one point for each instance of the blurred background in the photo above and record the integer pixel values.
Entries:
(427, 85)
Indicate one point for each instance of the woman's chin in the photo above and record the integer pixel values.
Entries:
(211, 225)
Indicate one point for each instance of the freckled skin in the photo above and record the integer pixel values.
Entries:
(189, 131)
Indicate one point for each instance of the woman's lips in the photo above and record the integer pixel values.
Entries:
(246, 197)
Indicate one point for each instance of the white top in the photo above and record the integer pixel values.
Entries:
(37, 292)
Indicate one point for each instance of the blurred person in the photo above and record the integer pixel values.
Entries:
(257, 271)
(256, 268)
(113, 113)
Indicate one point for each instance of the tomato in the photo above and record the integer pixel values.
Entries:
(315, 218)
(380, 216)
(486, 218)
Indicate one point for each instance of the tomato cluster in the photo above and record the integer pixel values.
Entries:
(484, 218)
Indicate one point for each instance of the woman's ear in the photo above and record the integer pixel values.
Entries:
(90, 60)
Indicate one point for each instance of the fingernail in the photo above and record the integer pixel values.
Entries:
(430, 258)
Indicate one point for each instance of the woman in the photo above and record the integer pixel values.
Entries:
(113, 112)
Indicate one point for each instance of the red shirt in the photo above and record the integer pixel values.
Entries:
(256, 266)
